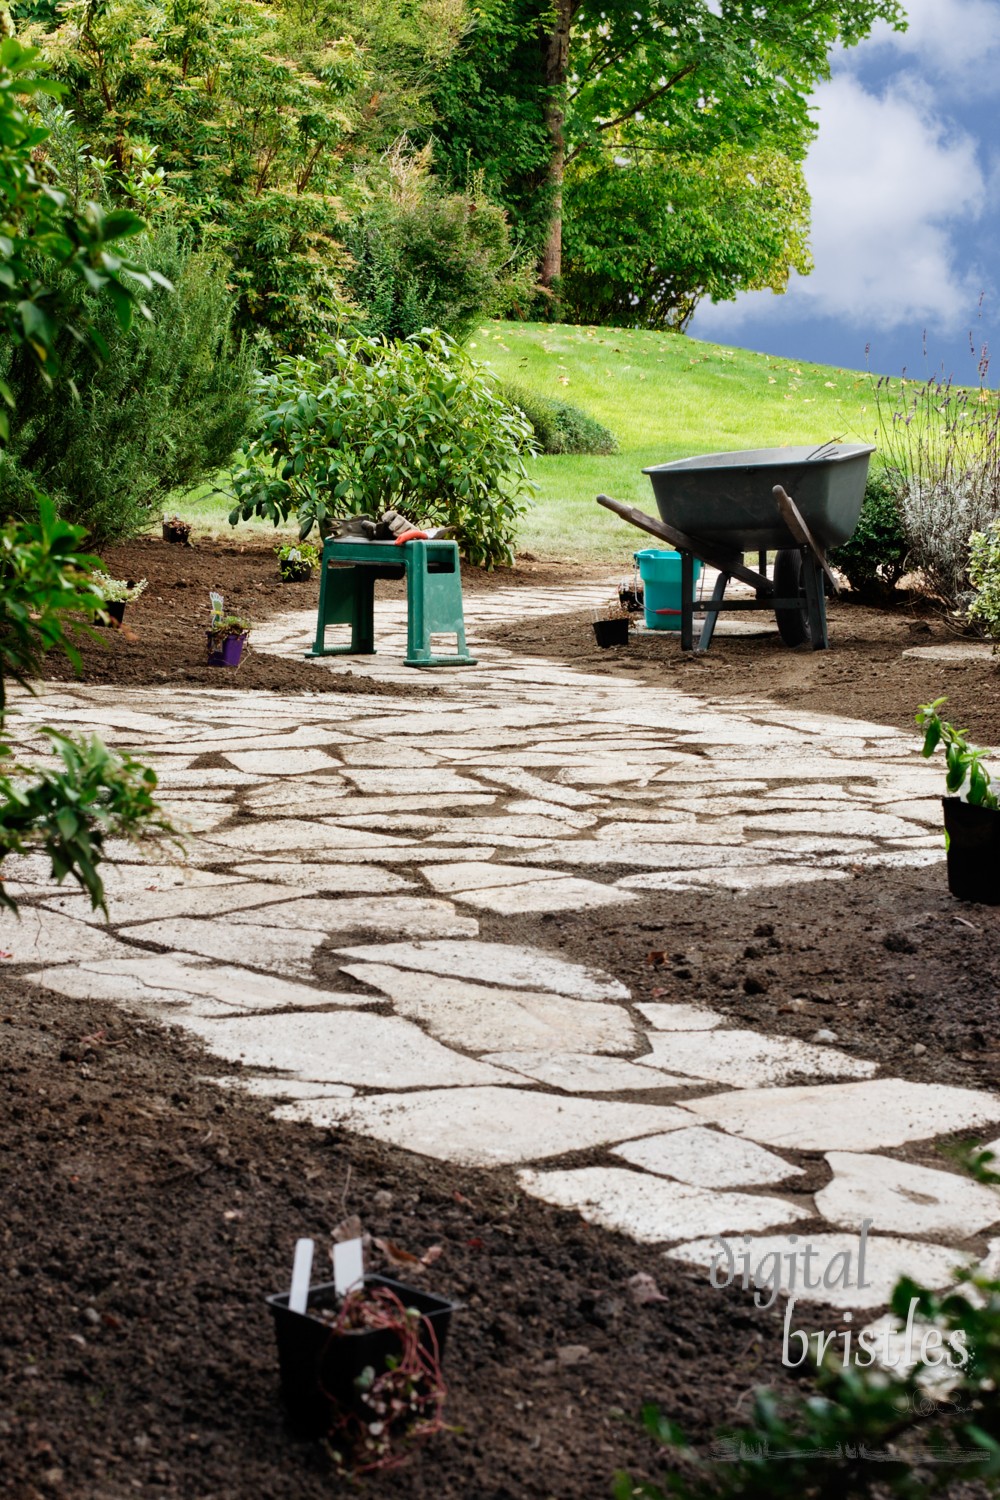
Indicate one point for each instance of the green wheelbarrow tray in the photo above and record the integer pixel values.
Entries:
(349, 571)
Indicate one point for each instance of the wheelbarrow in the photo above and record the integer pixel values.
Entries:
(797, 502)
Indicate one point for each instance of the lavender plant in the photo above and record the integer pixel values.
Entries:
(942, 443)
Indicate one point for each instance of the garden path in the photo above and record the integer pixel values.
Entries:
(380, 828)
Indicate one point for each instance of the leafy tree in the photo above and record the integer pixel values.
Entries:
(648, 236)
(45, 581)
(255, 120)
(544, 92)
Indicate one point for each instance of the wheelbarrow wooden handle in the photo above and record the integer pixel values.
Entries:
(792, 517)
(726, 562)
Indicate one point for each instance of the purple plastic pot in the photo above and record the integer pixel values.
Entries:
(230, 653)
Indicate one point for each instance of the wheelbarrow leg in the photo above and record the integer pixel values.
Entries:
(687, 601)
(711, 615)
(812, 579)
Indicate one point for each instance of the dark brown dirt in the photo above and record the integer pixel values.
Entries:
(864, 674)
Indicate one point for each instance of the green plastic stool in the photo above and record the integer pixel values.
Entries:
(433, 598)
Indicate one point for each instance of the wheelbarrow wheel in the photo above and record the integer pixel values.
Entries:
(793, 624)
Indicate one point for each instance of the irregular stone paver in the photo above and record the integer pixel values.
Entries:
(497, 963)
(281, 950)
(176, 979)
(886, 1260)
(706, 1158)
(905, 1199)
(378, 1052)
(143, 906)
(652, 1210)
(286, 1088)
(746, 1059)
(40, 936)
(488, 1127)
(345, 879)
(853, 1116)
(403, 916)
(553, 893)
(679, 1017)
(484, 1019)
(582, 1073)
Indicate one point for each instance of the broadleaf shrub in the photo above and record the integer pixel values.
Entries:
(560, 427)
(167, 405)
(373, 424)
(426, 258)
(984, 575)
(874, 558)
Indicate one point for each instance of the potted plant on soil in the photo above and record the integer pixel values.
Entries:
(631, 594)
(296, 562)
(177, 531)
(227, 636)
(971, 810)
(611, 628)
(117, 592)
(360, 1359)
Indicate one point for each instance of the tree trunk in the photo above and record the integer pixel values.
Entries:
(556, 48)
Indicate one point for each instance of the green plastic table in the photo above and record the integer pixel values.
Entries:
(433, 598)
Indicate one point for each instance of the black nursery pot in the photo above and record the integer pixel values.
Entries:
(115, 612)
(973, 851)
(179, 535)
(319, 1368)
(611, 632)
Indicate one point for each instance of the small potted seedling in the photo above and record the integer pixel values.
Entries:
(296, 561)
(360, 1357)
(177, 531)
(971, 810)
(227, 635)
(611, 628)
(116, 592)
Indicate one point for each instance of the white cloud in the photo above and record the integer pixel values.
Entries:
(956, 39)
(891, 185)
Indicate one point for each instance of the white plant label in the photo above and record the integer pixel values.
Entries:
(301, 1275)
(348, 1266)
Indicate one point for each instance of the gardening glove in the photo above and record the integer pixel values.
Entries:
(361, 528)
(394, 523)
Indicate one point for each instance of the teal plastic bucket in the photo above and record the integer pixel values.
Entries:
(660, 571)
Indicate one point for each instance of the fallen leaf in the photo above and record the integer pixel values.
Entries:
(642, 1289)
(656, 956)
(400, 1258)
(347, 1229)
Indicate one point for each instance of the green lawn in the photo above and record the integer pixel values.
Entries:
(664, 396)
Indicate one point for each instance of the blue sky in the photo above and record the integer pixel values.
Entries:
(905, 183)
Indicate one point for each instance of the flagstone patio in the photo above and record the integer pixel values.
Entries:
(377, 830)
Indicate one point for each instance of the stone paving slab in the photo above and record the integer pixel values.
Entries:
(886, 1260)
(707, 1158)
(652, 1210)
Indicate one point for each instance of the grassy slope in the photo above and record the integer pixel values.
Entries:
(664, 396)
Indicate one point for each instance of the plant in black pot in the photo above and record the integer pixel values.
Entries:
(117, 592)
(177, 531)
(611, 628)
(971, 810)
(296, 562)
(361, 1362)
